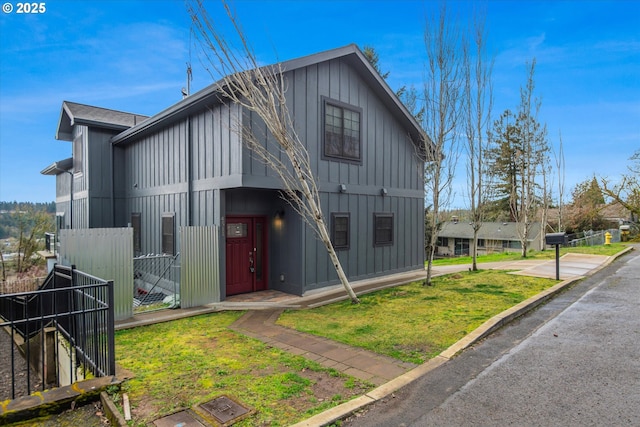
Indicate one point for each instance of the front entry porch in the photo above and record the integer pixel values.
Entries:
(246, 254)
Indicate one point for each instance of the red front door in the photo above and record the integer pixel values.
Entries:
(246, 255)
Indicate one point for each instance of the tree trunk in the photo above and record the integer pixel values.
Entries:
(326, 239)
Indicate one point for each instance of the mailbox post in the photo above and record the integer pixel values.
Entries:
(556, 239)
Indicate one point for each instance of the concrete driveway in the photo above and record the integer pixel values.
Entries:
(571, 266)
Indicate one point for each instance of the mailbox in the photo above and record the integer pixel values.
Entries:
(556, 238)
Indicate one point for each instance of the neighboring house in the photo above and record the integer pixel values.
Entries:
(187, 166)
(456, 238)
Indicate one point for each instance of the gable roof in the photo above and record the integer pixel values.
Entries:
(489, 230)
(350, 53)
(73, 113)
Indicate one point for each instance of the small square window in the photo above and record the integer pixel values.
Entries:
(342, 132)
(340, 225)
(383, 229)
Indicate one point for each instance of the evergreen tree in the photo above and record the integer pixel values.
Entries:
(586, 210)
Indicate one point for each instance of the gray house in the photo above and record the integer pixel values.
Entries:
(456, 238)
(187, 166)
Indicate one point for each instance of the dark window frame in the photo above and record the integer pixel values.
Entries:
(169, 233)
(380, 239)
(136, 224)
(338, 243)
(442, 241)
(343, 107)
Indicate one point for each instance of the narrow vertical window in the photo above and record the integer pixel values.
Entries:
(136, 223)
(340, 223)
(78, 154)
(168, 233)
(382, 229)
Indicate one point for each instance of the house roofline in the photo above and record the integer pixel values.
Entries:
(208, 94)
(56, 168)
(66, 113)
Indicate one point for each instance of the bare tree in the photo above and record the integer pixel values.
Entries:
(32, 225)
(531, 155)
(478, 101)
(443, 93)
(627, 191)
(261, 90)
(560, 166)
(545, 202)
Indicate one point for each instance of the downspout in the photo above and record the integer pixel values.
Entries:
(113, 186)
(189, 173)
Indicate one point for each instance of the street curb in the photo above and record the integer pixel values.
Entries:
(496, 322)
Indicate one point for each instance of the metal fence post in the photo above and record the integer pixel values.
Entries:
(111, 329)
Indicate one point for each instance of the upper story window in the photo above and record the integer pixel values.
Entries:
(342, 132)
(78, 154)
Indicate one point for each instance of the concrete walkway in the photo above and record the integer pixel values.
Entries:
(362, 364)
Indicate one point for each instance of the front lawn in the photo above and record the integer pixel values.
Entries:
(186, 362)
(414, 322)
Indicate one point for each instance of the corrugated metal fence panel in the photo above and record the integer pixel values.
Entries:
(199, 278)
(106, 253)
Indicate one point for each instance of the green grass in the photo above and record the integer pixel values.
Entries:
(609, 250)
(414, 322)
(186, 362)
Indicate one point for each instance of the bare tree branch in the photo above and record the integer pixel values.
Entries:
(443, 91)
(261, 90)
(478, 102)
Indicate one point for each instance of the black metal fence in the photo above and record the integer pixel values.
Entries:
(64, 331)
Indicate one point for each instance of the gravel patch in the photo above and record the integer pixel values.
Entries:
(20, 366)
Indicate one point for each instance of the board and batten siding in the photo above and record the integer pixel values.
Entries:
(388, 156)
(180, 169)
(99, 166)
(388, 161)
(186, 167)
(363, 259)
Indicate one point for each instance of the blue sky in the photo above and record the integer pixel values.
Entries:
(131, 56)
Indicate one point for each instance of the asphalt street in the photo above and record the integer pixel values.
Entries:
(574, 361)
